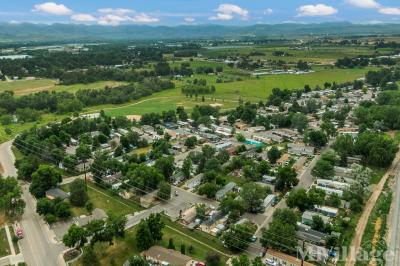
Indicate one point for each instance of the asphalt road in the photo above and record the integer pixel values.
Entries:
(393, 256)
(37, 245)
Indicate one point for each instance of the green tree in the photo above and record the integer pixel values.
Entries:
(253, 196)
(11, 202)
(191, 142)
(44, 178)
(285, 178)
(299, 199)
(89, 257)
(213, 259)
(78, 194)
(156, 225)
(75, 237)
(166, 166)
(138, 261)
(238, 237)
(242, 260)
(299, 121)
(164, 191)
(171, 244)
(144, 239)
(323, 169)
(208, 189)
(187, 167)
(273, 154)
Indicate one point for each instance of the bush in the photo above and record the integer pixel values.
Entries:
(50, 218)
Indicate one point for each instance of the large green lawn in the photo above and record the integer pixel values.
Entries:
(105, 200)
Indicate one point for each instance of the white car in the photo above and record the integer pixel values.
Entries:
(271, 262)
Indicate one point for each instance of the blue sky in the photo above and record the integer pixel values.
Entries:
(175, 12)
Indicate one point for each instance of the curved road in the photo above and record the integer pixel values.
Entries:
(37, 246)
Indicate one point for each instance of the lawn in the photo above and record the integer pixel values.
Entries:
(4, 247)
(122, 249)
(105, 200)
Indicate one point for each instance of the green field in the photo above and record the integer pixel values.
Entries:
(228, 94)
(23, 87)
(318, 54)
(104, 200)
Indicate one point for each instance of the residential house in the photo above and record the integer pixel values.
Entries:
(307, 217)
(223, 191)
(276, 258)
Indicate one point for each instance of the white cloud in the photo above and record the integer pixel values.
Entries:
(83, 17)
(268, 11)
(52, 8)
(228, 11)
(390, 11)
(144, 18)
(364, 3)
(190, 20)
(116, 11)
(318, 10)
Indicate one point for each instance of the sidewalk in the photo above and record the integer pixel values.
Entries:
(12, 259)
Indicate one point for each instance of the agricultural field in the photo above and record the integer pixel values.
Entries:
(319, 54)
(23, 87)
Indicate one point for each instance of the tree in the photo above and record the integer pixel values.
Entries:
(281, 233)
(213, 259)
(191, 142)
(285, 178)
(240, 137)
(116, 224)
(138, 261)
(333, 200)
(89, 257)
(273, 154)
(317, 138)
(166, 166)
(317, 223)
(299, 121)
(253, 196)
(183, 249)
(298, 198)
(75, 237)
(44, 178)
(187, 167)
(83, 152)
(238, 237)
(144, 239)
(156, 226)
(164, 191)
(44, 206)
(242, 260)
(78, 194)
(171, 244)
(11, 202)
(323, 169)
(201, 210)
(208, 189)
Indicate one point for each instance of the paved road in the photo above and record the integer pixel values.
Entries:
(393, 258)
(37, 246)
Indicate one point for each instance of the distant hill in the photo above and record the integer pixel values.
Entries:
(26, 32)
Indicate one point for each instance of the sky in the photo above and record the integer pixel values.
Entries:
(192, 12)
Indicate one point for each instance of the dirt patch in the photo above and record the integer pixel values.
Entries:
(2, 219)
(378, 225)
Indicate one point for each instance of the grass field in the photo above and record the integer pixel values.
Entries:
(321, 54)
(23, 87)
(105, 200)
(4, 247)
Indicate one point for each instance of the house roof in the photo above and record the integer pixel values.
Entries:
(171, 256)
(54, 193)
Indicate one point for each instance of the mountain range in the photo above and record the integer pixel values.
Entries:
(27, 32)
